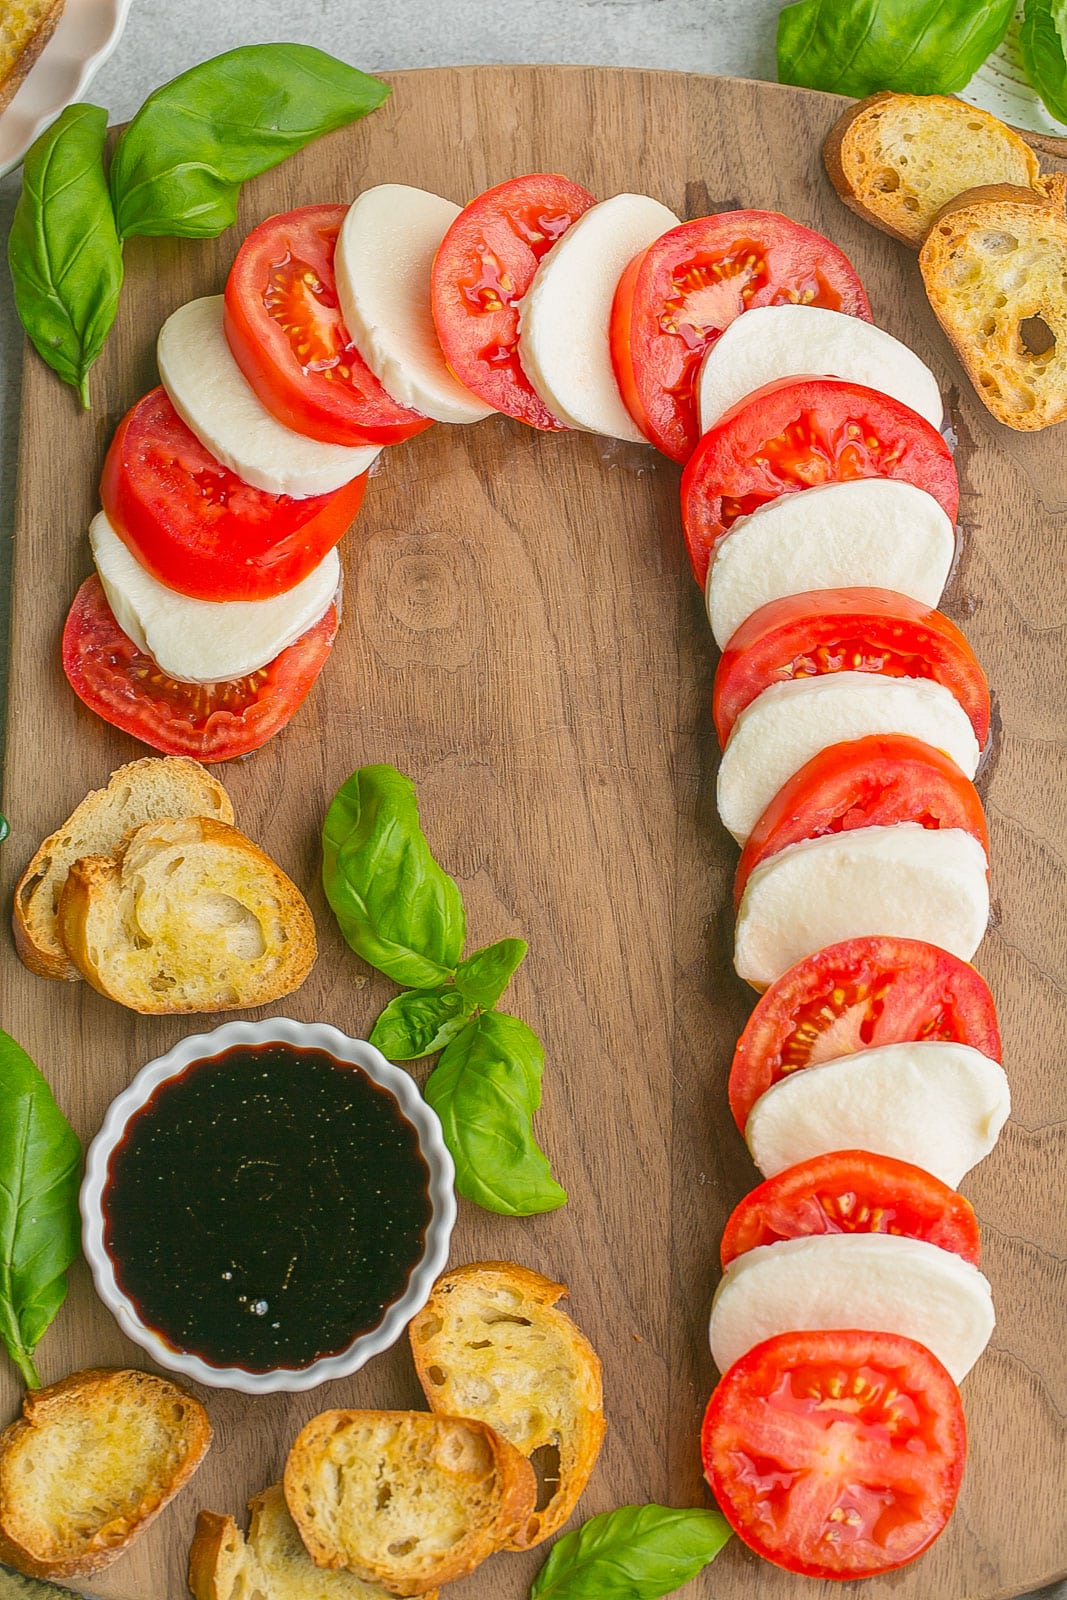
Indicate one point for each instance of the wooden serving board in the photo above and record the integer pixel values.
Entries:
(522, 635)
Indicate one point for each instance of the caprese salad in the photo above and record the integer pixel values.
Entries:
(818, 502)
(345, 329)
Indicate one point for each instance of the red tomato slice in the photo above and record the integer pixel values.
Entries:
(795, 434)
(675, 299)
(197, 527)
(847, 630)
(836, 1454)
(211, 722)
(483, 267)
(864, 783)
(285, 329)
(853, 1191)
(853, 996)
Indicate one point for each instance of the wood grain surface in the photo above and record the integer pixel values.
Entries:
(522, 635)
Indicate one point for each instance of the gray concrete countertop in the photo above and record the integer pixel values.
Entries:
(733, 37)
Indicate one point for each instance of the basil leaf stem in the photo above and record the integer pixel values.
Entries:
(914, 46)
(40, 1166)
(180, 164)
(64, 252)
(1043, 47)
(634, 1553)
(396, 907)
(485, 1089)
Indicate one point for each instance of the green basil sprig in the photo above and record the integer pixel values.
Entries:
(635, 1553)
(914, 46)
(403, 914)
(1043, 47)
(485, 1089)
(177, 171)
(40, 1165)
(420, 1022)
(179, 166)
(64, 251)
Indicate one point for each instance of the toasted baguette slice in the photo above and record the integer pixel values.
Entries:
(192, 916)
(143, 791)
(25, 28)
(271, 1564)
(90, 1463)
(405, 1498)
(489, 1343)
(896, 159)
(995, 270)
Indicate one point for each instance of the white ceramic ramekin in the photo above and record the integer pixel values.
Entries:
(304, 1036)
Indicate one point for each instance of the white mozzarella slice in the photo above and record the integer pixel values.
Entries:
(565, 315)
(206, 641)
(382, 264)
(877, 533)
(774, 342)
(210, 393)
(877, 1282)
(905, 880)
(791, 722)
(934, 1103)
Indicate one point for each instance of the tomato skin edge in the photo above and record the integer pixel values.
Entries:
(848, 1167)
(802, 624)
(783, 1353)
(762, 416)
(781, 823)
(310, 409)
(226, 735)
(851, 961)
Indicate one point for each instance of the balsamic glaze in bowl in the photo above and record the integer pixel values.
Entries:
(267, 1206)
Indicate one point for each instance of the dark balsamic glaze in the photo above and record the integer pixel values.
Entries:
(266, 1206)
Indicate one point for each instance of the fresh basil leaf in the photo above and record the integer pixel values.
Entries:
(635, 1553)
(485, 1089)
(483, 977)
(914, 46)
(40, 1165)
(179, 166)
(395, 906)
(64, 252)
(420, 1022)
(1043, 47)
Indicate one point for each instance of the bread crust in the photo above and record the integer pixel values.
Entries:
(270, 1562)
(195, 962)
(27, 56)
(848, 148)
(993, 265)
(140, 791)
(99, 1407)
(429, 1465)
(472, 1329)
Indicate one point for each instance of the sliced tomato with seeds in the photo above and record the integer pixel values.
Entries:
(872, 782)
(852, 1191)
(484, 265)
(847, 630)
(212, 721)
(675, 299)
(836, 1454)
(853, 996)
(197, 527)
(283, 324)
(799, 432)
